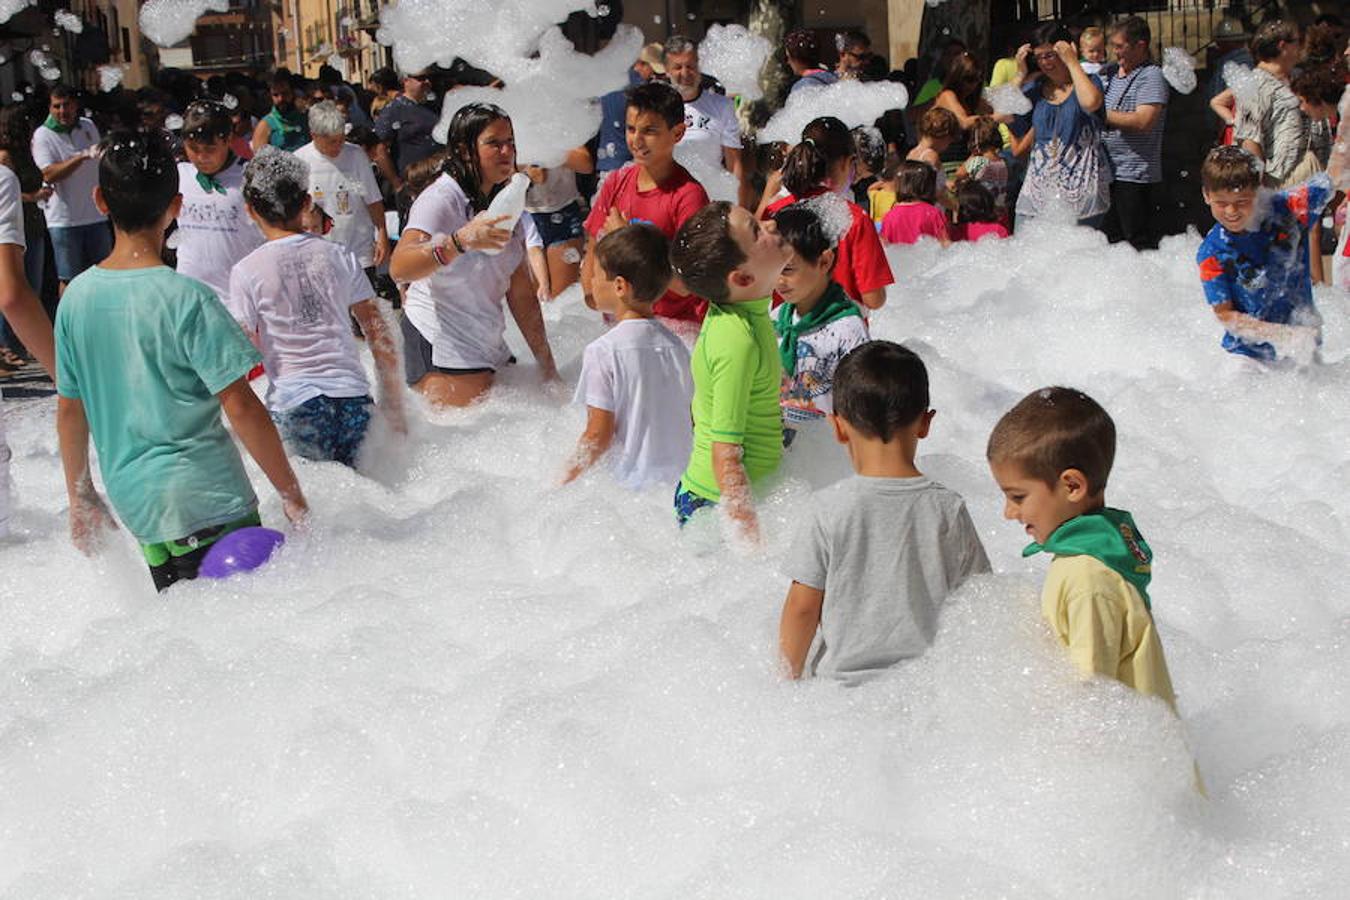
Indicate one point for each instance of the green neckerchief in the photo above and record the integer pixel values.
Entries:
(57, 126)
(211, 183)
(834, 304)
(1110, 536)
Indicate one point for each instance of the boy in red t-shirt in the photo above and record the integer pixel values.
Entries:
(653, 189)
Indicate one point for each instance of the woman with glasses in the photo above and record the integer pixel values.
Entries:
(459, 263)
(1067, 173)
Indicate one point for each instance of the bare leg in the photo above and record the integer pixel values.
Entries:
(442, 390)
(564, 266)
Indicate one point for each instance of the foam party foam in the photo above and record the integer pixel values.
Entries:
(552, 103)
(464, 675)
(167, 22)
(1179, 69)
(1008, 100)
(110, 76)
(1242, 81)
(734, 56)
(64, 18)
(853, 102)
(8, 8)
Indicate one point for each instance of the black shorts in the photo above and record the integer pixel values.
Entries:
(417, 362)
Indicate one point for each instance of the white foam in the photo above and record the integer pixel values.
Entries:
(854, 102)
(1242, 81)
(64, 18)
(8, 8)
(168, 22)
(735, 57)
(834, 213)
(110, 76)
(1008, 100)
(1179, 69)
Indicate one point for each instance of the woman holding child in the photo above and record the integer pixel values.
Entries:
(460, 264)
(1068, 165)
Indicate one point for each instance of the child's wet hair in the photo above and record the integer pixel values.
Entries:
(880, 388)
(1053, 430)
(975, 202)
(1322, 85)
(825, 141)
(939, 123)
(915, 180)
(1230, 168)
(639, 254)
(138, 178)
(419, 175)
(207, 120)
(276, 185)
(656, 97)
(985, 135)
(800, 227)
(704, 252)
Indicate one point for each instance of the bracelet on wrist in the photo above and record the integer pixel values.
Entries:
(459, 245)
(439, 254)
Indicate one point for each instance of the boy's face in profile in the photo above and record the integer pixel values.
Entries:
(765, 255)
(606, 290)
(801, 281)
(1093, 48)
(1040, 507)
(208, 154)
(1315, 110)
(1233, 209)
(650, 139)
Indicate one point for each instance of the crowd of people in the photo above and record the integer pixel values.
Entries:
(730, 327)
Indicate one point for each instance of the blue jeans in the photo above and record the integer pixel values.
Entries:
(77, 247)
(324, 428)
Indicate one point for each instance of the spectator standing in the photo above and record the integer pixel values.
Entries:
(802, 50)
(405, 124)
(1270, 124)
(1230, 46)
(65, 149)
(284, 126)
(16, 130)
(712, 136)
(1135, 98)
(611, 144)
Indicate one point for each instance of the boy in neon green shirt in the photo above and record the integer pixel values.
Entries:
(724, 255)
(1051, 455)
(146, 361)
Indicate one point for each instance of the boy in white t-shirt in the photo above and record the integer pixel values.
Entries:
(214, 228)
(292, 296)
(635, 379)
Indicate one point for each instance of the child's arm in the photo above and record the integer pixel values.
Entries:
(381, 343)
(89, 516)
(539, 271)
(21, 309)
(734, 486)
(259, 436)
(593, 443)
(529, 317)
(797, 627)
(1224, 105)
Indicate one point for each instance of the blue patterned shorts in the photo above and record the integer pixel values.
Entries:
(325, 428)
(687, 503)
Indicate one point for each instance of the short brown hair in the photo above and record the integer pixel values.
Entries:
(1322, 84)
(419, 175)
(985, 135)
(705, 253)
(1266, 44)
(1055, 429)
(640, 255)
(939, 123)
(1230, 168)
(915, 180)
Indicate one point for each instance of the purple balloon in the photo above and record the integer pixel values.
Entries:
(240, 551)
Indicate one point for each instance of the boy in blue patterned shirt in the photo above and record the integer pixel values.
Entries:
(1254, 261)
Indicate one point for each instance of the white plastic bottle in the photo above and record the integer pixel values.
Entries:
(509, 202)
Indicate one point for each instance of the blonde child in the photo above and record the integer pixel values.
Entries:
(1092, 50)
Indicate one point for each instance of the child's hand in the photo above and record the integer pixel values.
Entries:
(482, 233)
(614, 221)
(296, 511)
(89, 522)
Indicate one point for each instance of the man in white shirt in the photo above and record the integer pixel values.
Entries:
(342, 184)
(712, 136)
(19, 307)
(65, 148)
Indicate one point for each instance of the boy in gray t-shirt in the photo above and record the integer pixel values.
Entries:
(879, 552)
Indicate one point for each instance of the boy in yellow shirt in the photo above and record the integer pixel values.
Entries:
(1051, 455)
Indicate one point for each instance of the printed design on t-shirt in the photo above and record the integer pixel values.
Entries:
(695, 120)
(313, 284)
(816, 361)
(205, 215)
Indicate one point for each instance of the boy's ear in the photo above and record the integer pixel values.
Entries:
(827, 259)
(1074, 484)
(740, 279)
(623, 287)
(840, 428)
(925, 423)
(678, 131)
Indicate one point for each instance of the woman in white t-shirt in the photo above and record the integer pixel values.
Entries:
(459, 265)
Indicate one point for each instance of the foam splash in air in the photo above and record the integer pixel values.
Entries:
(110, 77)
(1008, 100)
(1242, 82)
(854, 102)
(734, 56)
(9, 8)
(66, 19)
(167, 22)
(1179, 69)
(551, 100)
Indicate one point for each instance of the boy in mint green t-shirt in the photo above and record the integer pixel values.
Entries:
(146, 360)
(723, 254)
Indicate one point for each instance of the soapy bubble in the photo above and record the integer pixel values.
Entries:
(50, 73)
(833, 212)
(110, 76)
(734, 56)
(173, 122)
(1179, 69)
(854, 102)
(167, 22)
(1008, 100)
(9, 7)
(1242, 81)
(229, 101)
(68, 20)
